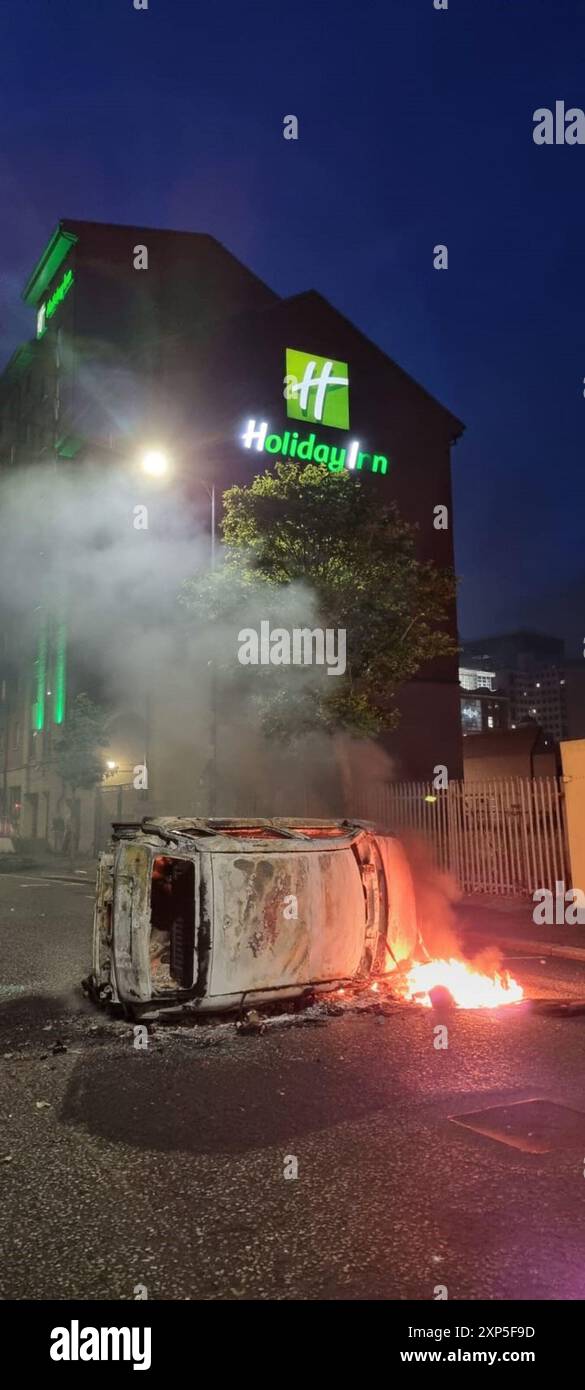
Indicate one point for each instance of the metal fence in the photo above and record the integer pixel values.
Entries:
(505, 836)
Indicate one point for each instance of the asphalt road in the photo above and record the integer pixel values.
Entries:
(165, 1168)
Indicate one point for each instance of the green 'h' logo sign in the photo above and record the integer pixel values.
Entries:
(316, 389)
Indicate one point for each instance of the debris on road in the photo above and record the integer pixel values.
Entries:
(251, 1023)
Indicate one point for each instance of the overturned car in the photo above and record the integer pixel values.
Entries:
(213, 914)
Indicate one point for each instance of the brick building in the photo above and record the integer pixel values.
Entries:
(141, 336)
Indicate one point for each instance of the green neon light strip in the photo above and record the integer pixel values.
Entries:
(61, 291)
(48, 265)
(60, 676)
(38, 712)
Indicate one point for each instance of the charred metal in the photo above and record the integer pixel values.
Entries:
(206, 915)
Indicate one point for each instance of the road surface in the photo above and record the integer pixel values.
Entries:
(124, 1170)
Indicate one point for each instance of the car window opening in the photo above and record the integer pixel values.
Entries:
(172, 924)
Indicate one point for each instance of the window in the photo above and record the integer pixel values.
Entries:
(476, 680)
(471, 716)
(172, 924)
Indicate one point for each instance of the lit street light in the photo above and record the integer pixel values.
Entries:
(155, 462)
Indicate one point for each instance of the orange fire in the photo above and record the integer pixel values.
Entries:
(469, 988)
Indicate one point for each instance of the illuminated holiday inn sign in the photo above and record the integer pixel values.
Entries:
(47, 309)
(316, 389)
(308, 449)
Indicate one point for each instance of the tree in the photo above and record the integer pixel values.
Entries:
(331, 532)
(77, 759)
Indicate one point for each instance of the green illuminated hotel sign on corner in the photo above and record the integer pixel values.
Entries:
(50, 305)
(316, 390)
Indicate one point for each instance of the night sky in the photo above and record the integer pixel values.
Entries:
(415, 127)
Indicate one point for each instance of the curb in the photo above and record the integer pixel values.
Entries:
(516, 946)
(495, 902)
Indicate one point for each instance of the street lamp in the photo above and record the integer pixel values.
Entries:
(155, 462)
(210, 490)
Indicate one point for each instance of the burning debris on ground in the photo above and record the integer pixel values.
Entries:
(461, 983)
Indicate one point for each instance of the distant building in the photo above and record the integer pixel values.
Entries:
(519, 651)
(542, 686)
(477, 679)
(539, 697)
(482, 712)
(483, 707)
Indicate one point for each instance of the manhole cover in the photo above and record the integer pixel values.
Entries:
(535, 1126)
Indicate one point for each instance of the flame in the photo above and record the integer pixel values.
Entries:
(469, 988)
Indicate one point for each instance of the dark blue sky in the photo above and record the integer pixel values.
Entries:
(415, 127)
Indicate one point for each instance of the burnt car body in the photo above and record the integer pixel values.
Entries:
(213, 914)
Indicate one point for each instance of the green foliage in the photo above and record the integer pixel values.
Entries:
(76, 756)
(357, 556)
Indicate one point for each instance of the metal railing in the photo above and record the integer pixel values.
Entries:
(507, 836)
(503, 837)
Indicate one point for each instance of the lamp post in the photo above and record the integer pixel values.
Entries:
(156, 463)
(213, 778)
(111, 770)
(213, 758)
(211, 495)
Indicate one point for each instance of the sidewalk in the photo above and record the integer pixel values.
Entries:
(84, 871)
(48, 866)
(508, 921)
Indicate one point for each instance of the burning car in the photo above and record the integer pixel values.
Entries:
(212, 914)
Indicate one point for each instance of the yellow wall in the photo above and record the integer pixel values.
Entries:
(573, 758)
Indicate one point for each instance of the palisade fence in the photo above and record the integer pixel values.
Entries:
(507, 836)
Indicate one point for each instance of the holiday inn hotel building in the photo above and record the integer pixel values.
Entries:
(139, 334)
